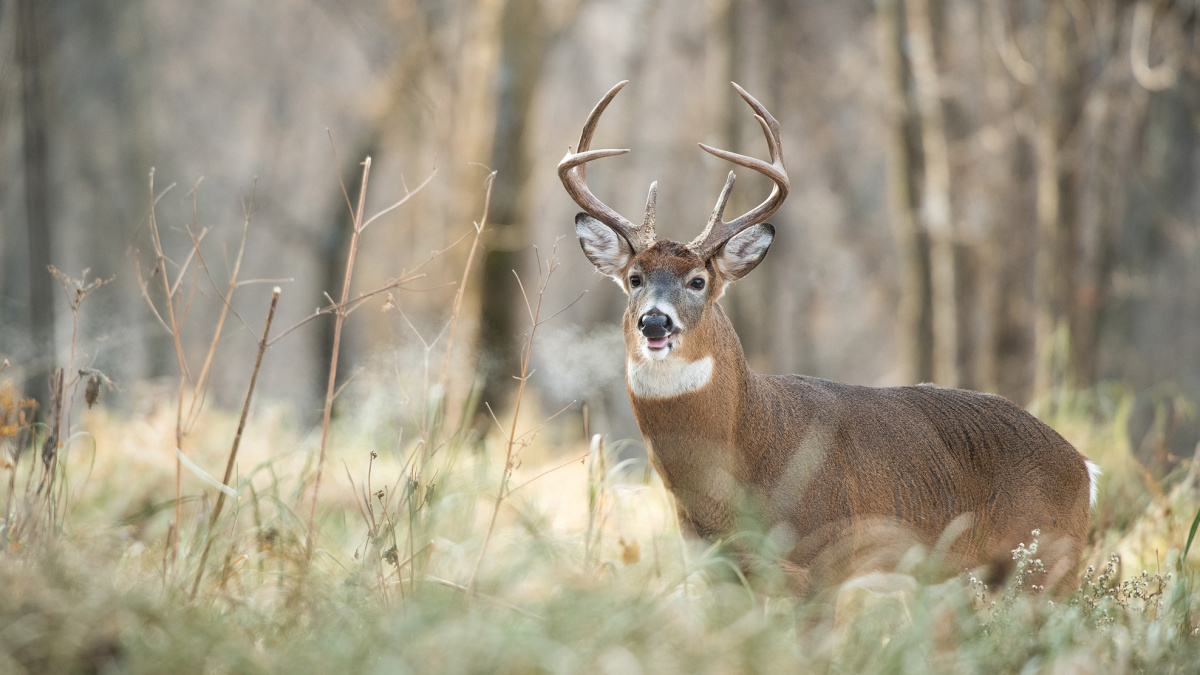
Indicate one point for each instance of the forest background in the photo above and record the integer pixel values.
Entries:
(994, 195)
(435, 464)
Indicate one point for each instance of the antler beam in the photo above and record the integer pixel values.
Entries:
(572, 170)
(718, 231)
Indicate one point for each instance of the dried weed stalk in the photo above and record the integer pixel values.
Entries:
(517, 442)
(341, 310)
(176, 316)
(237, 440)
(420, 486)
(47, 504)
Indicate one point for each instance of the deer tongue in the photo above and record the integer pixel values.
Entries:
(658, 342)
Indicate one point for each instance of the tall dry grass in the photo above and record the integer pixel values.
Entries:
(429, 546)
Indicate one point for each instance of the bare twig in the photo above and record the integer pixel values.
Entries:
(511, 448)
(462, 286)
(335, 307)
(550, 471)
(339, 321)
(407, 195)
(249, 282)
(202, 379)
(237, 438)
(145, 288)
(184, 376)
(187, 262)
(76, 290)
(336, 165)
(340, 310)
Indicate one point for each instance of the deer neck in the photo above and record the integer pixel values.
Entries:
(689, 403)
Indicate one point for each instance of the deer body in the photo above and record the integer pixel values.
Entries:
(871, 471)
(846, 478)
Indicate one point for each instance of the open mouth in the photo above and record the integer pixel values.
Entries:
(657, 343)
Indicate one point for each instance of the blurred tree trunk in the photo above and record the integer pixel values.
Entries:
(905, 166)
(30, 48)
(1000, 169)
(723, 55)
(793, 355)
(525, 39)
(114, 184)
(1057, 114)
(1112, 115)
(935, 201)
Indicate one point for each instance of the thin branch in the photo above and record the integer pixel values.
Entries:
(493, 415)
(338, 307)
(202, 380)
(248, 282)
(337, 167)
(462, 286)
(146, 294)
(183, 368)
(506, 474)
(350, 379)
(524, 295)
(187, 262)
(339, 322)
(539, 425)
(237, 439)
(549, 471)
(569, 305)
(408, 195)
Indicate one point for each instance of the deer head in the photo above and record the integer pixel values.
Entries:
(672, 286)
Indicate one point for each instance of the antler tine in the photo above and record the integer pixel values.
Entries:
(572, 170)
(589, 127)
(718, 211)
(718, 231)
(651, 207)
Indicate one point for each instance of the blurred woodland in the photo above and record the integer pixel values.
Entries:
(993, 194)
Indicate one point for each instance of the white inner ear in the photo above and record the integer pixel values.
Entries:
(743, 253)
(607, 250)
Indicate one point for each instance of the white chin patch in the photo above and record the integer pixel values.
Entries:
(663, 378)
(657, 354)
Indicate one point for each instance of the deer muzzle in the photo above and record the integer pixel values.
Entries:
(657, 329)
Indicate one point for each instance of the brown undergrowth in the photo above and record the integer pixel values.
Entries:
(440, 548)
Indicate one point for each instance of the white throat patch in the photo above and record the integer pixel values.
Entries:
(668, 377)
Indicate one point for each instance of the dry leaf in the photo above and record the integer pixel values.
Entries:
(630, 552)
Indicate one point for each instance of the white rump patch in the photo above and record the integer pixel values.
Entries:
(1094, 475)
(667, 378)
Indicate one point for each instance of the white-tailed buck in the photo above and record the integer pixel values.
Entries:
(844, 478)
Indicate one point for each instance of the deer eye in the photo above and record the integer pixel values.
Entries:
(634, 281)
(697, 283)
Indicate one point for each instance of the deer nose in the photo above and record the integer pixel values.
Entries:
(655, 325)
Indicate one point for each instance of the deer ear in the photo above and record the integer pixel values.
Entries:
(607, 250)
(744, 251)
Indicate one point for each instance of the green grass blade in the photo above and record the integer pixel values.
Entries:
(1191, 535)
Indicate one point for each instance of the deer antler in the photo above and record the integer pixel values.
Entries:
(717, 232)
(572, 170)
